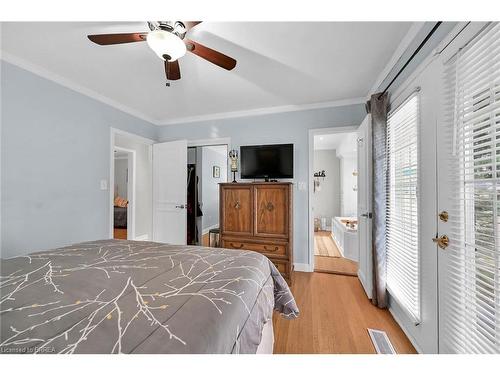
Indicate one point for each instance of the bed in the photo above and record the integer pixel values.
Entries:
(117, 296)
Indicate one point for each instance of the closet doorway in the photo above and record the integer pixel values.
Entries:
(207, 167)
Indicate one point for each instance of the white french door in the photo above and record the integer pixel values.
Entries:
(421, 322)
(469, 198)
(170, 192)
(458, 197)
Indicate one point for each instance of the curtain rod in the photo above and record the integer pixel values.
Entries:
(411, 57)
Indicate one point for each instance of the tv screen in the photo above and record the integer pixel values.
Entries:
(267, 161)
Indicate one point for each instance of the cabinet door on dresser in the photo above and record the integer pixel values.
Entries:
(271, 211)
(236, 210)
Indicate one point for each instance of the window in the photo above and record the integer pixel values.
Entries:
(472, 276)
(402, 225)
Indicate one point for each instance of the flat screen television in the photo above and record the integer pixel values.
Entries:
(267, 161)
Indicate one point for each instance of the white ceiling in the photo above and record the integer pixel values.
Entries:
(279, 64)
(344, 143)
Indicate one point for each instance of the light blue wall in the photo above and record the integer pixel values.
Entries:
(212, 156)
(55, 150)
(55, 146)
(290, 127)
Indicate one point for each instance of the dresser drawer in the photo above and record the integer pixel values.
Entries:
(282, 267)
(264, 248)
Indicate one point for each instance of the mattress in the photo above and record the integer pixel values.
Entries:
(116, 296)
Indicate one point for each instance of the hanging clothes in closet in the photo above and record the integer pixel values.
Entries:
(193, 205)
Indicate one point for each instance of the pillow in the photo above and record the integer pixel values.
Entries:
(120, 202)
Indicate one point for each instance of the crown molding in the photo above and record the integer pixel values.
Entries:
(262, 111)
(44, 73)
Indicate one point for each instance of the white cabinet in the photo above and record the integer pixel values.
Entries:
(345, 238)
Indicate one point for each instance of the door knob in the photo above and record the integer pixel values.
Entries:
(443, 216)
(442, 241)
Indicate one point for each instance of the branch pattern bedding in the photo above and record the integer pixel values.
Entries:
(115, 296)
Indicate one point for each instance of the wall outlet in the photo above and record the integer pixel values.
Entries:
(302, 186)
(104, 184)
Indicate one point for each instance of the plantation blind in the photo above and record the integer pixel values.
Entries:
(471, 280)
(402, 226)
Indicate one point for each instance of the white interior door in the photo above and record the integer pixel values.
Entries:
(170, 192)
(365, 205)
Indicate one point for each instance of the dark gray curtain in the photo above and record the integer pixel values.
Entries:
(378, 108)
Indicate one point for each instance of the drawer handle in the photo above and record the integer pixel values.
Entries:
(269, 206)
(276, 248)
(236, 247)
(237, 205)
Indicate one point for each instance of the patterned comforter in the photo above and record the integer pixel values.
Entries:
(115, 296)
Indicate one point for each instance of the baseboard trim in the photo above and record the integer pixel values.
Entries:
(143, 237)
(302, 267)
(362, 279)
(403, 328)
(206, 230)
(341, 250)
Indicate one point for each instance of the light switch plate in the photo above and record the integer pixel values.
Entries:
(104, 184)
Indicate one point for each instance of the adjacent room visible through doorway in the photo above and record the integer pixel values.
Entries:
(123, 191)
(335, 203)
(131, 181)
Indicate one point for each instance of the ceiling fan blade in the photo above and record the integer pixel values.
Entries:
(172, 70)
(190, 24)
(211, 55)
(106, 39)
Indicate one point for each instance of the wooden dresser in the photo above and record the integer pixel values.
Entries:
(259, 216)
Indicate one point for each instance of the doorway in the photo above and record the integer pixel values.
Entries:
(124, 192)
(177, 164)
(206, 169)
(334, 203)
(130, 186)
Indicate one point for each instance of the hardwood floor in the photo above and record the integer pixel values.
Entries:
(205, 240)
(324, 245)
(120, 233)
(341, 266)
(327, 257)
(334, 316)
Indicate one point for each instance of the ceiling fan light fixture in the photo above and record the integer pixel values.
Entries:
(166, 45)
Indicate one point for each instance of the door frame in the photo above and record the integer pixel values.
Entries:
(224, 141)
(146, 141)
(312, 132)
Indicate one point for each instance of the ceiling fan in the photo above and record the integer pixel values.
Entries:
(168, 40)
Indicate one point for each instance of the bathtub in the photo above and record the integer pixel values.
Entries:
(346, 237)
